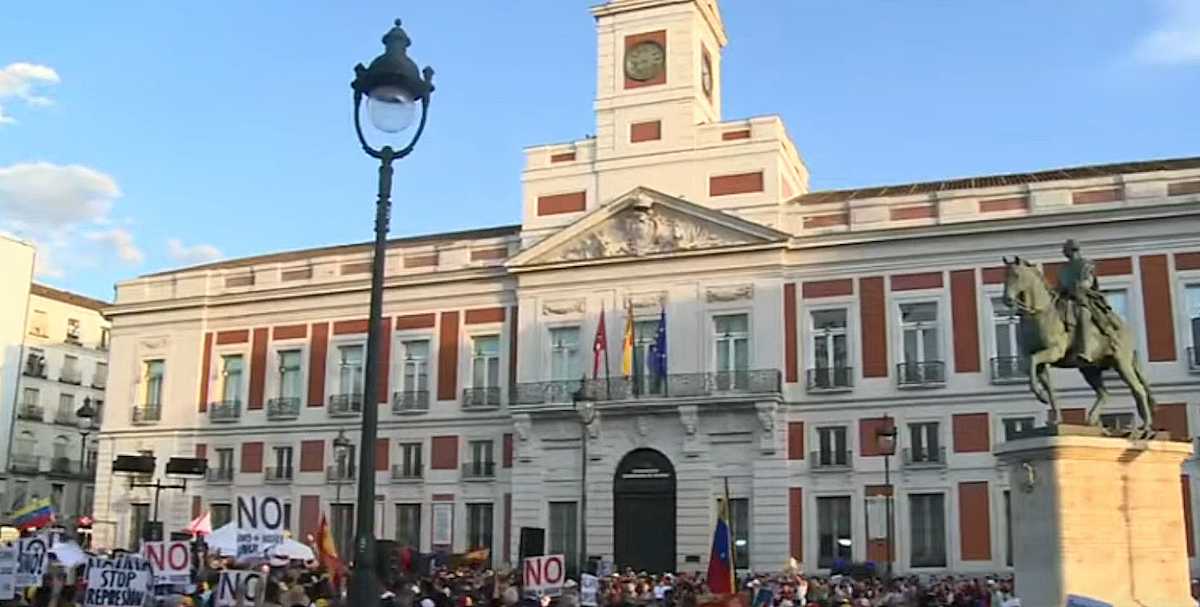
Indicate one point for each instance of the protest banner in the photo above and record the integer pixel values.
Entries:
(259, 524)
(234, 584)
(544, 575)
(170, 561)
(1083, 601)
(8, 572)
(124, 581)
(589, 587)
(32, 555)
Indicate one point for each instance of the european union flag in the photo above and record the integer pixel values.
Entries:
(658, 349)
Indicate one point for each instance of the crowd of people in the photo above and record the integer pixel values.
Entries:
(309, 584)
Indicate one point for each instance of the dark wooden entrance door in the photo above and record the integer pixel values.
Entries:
(644, 512)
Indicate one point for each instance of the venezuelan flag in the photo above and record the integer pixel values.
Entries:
(720, 561)
(36, 513)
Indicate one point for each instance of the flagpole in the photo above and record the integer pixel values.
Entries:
(607, 371)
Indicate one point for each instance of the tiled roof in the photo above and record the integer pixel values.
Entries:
(67, 297)
(346, 249)
(989, 181)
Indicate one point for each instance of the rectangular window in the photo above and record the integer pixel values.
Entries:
(416, 365)
(564, 532)
(485, 361)
(410, 459)
(100, 376)
(564, 354)
(343, 527)
(480, 463)
(479, 526)
(927, 516)
(39, 324)
(153, 372)
(1008, 541)
(73, 330)
(225, 461)
(104, 333)
(31, 397)
(350, 369)
(1118, 301)
(231, 377)
(70, 369)
(138, 515)
(1010, 360)
(57, 490)
(291, 383)
(1016, 425)
(1117, 422)
(646, 381)
(66, 407)
(343, 461)
(830, 353)
(834, 538)
(739, 518)
(831, 446)
(221, 514)
(731, 338)
(920, 356)
(408, 525)
(923, 442)
(283, 461)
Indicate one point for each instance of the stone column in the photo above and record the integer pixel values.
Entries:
(1098, 517)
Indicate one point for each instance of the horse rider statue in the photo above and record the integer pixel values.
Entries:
(1082, 303)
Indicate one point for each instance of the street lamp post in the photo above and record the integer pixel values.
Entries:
(85, 417)
(340, 444)
(393, 86)
(585, 407)
(885, 442)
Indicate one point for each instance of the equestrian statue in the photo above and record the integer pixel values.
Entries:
(1072, 326)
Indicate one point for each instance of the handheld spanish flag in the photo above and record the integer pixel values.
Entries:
(36, 514)
(627, 345)
(720, 561)
(327, 553)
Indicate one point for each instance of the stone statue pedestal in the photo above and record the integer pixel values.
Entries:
(1097, 516)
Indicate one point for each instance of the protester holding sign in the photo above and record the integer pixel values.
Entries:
(123, 581)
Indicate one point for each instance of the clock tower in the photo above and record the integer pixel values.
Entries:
(658, 71)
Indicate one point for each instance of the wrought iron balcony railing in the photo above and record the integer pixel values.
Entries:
(339, 474)
(481, 398)
(65, 418)
(830, 460)
(925, 458)
(1010, 369)
(407, 473)
(830, 379)
(220, 476)
(31, 412)
(410, 401)
(150, 413)
(345, 405)
(64, 466)
(479, 470)
(924, 374)
(70, 376)
(225, 410)
(676, 385)
(277, 475)
(283, 408)
(22, 462)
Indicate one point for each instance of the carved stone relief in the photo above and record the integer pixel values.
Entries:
(725, 294)
(767, 413)
(563, 307)
(646, 229)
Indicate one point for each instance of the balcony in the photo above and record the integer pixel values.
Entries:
(925, 374)
(225, 411)
(481, 398)
(410, 401)
(1193, 355)
(278, 475)
(35, 366)
(479, 470)
(147, 414)
(677, 385)
(407, 473)
(65, 418)
(1010, 369)
(31, 412)
(70, 376)
(339, 474)
(345, 405)
(831, 461)
(283, 408)
(99, 381)
(924, 458)
(65, 466)
(831, 379)
(24, 463)
(220, 476)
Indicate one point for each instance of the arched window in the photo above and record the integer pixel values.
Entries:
(60, 446)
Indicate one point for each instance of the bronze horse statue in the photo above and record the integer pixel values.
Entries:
(1048, 341)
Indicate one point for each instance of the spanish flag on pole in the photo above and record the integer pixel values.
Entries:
(627, 345)
(327, 553)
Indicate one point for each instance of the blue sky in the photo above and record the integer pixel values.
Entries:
(140, 136)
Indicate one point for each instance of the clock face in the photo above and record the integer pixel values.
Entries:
(706, 76)
(645, 61)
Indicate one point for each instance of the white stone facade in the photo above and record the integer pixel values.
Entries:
(712, 224)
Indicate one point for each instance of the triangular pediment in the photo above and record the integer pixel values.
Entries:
(645, 223)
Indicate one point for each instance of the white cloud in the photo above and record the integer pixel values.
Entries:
(193, 254)
(64, 210)
(23, 81)
(1175, 40)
